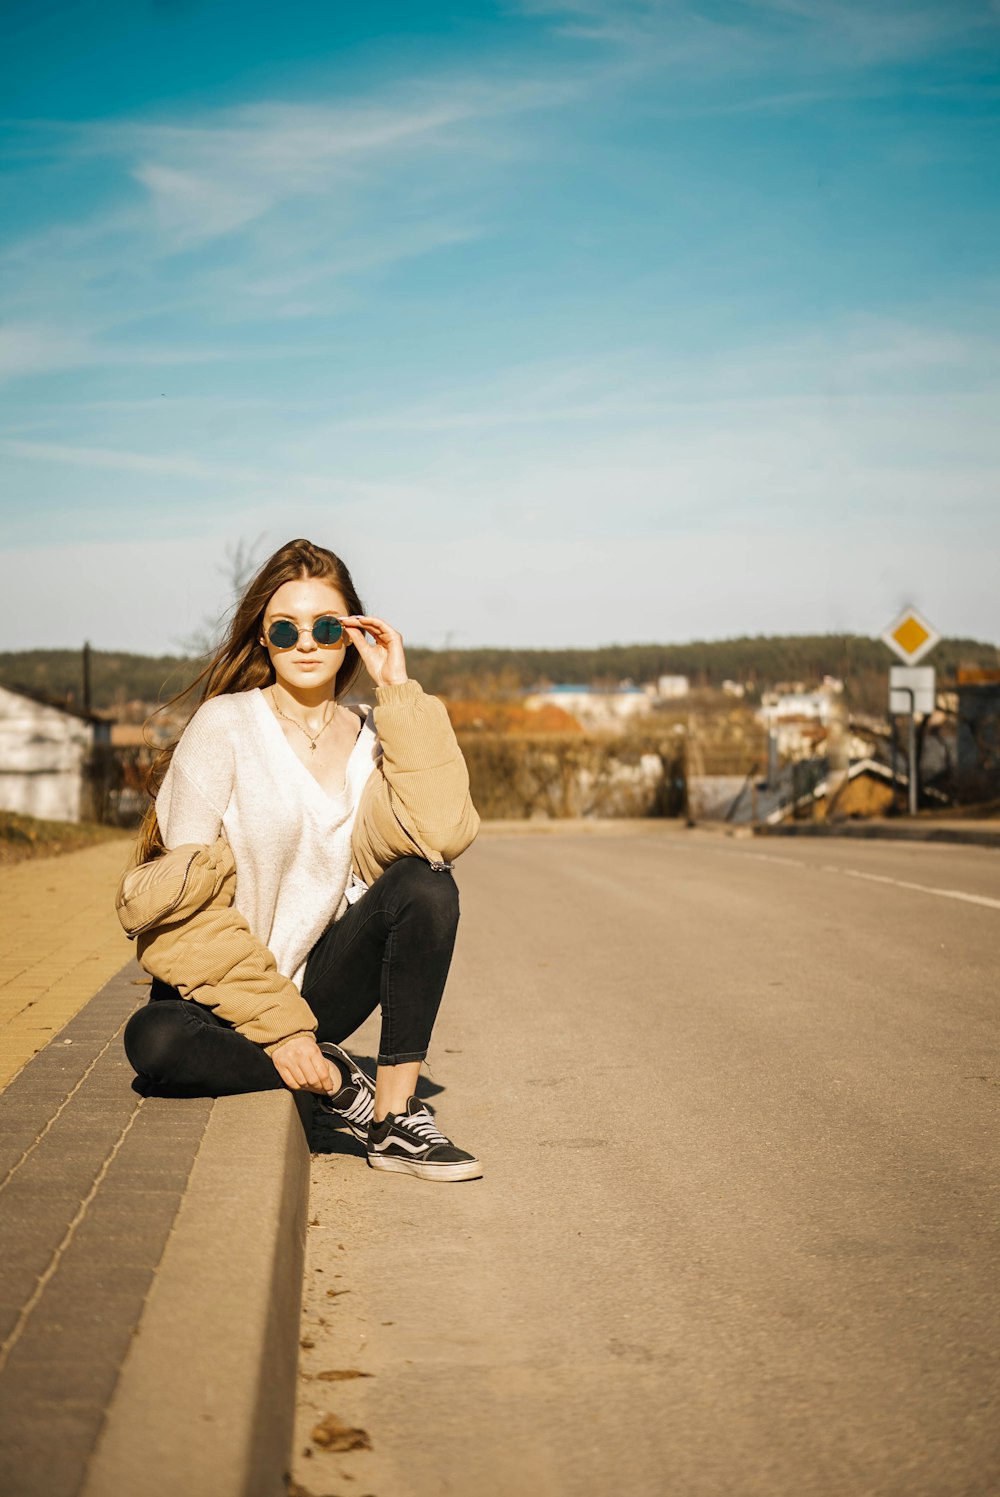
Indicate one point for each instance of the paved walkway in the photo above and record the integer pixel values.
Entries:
(126, 1311)
(60, 941)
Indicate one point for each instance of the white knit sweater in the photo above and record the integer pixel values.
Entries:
(233, 771)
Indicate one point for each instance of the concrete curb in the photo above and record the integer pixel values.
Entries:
(205, 1403)
(152, 1256)
(887, 831)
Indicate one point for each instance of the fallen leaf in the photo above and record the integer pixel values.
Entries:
(339, 1374)
(306, 1344)
(332, 1293)
(333, 1434)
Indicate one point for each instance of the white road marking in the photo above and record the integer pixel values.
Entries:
(902, 883)
(874, 878)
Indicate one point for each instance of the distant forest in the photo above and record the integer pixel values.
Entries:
(760, 662)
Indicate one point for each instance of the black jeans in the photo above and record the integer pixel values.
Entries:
(392, 948)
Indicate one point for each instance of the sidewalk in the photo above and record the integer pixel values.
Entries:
(59, 942)
(957, 829)
(152, 1249)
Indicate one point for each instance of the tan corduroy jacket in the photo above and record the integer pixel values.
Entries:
(179, 907)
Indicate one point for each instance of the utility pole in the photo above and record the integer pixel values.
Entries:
(86, 676)
(911, 747)
(914, 767)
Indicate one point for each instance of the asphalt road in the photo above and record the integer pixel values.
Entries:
(737, 1106)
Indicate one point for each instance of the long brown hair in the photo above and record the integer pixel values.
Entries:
(240, 664)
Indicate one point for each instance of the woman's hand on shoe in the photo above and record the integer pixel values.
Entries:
(302, 1065)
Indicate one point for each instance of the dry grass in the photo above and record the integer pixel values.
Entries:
(23, 837)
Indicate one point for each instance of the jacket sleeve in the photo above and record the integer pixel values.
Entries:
(179, 910)
(416, 802)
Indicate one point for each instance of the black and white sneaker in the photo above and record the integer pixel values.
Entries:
(354, 1104)
(411, 1144)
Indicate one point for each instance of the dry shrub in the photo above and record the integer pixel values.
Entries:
(524, 776)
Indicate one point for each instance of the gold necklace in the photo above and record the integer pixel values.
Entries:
(312, 740)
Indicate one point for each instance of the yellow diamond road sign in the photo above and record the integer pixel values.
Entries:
(910, 636)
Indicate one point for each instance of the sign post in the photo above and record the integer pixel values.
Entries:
(911, 688)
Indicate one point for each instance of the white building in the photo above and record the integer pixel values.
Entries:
(43, 751)
(800, 706)
(668, 688)
(800, 723)
(594, 706)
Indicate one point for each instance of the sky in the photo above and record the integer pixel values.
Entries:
(564, 322)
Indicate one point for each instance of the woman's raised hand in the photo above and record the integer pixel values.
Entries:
(383, 654)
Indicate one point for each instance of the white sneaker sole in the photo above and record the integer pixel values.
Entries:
(469, 1169)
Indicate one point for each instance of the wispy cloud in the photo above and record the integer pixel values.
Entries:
(31, 349)
(246, 479)
(153, 464)
(204, 178)
(28, 349)
(864, 32)
(206, 181)
(874, 360)
(822, 35)
(259, 211)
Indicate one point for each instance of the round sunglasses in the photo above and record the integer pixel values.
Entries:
(326, 632)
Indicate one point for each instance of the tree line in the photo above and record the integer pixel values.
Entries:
(757, 662)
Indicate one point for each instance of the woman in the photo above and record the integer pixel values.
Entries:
(294, 872)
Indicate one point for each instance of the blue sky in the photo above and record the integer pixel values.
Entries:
(563, 321)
